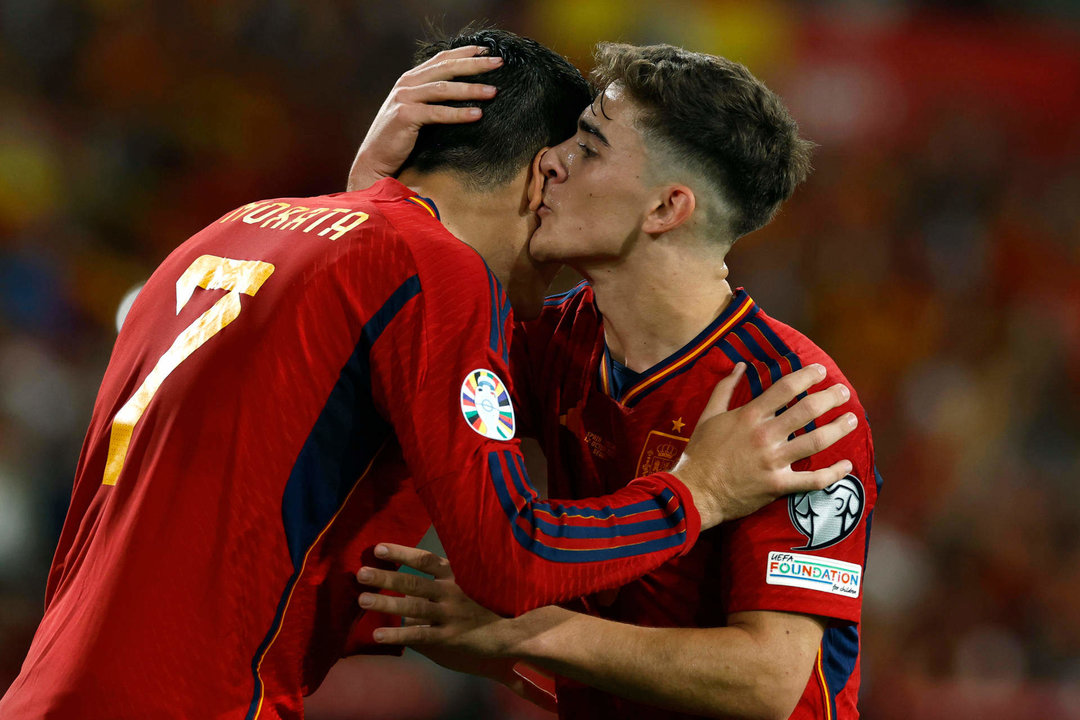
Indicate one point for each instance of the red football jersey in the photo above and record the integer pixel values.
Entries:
(603, 424)
(273, 385)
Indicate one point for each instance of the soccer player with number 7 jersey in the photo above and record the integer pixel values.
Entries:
(282, 376)
(678, 156)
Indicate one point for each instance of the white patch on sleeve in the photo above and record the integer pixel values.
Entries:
(814, 573)
(828, 516)
(486, 406)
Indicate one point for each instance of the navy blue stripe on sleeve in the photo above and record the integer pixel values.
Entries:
(493, 289)
(538, 546)
(667, 522)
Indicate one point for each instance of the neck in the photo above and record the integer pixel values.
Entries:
(482, 220)
(658, 300)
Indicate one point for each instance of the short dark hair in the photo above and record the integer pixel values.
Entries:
(715, 117)
(540, 95)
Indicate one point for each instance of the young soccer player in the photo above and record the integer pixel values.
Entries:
(275, 383)
(679, 155)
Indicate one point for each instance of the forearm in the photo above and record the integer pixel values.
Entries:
(491, 520)
(755, 667)
(527, 681)
(725, 671)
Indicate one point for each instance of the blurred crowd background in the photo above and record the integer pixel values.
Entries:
(935, 253)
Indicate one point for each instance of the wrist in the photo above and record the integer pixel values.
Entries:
(708, 510)
(535, 633)
(360, 180)
(704, 506)
(365, 171)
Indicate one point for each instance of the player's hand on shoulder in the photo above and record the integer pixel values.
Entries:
(412, 104)
(738, 461)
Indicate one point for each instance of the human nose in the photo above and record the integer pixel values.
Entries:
(553, 164)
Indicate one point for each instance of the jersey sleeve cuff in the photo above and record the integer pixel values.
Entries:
(690, 511)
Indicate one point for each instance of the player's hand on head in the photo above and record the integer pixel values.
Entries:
(411, 104)
(738, 461)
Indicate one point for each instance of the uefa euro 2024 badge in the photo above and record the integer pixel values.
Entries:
(485, 403)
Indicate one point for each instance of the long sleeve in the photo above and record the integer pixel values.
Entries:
(440, 372)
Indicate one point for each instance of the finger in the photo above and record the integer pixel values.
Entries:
(446, 91)
(419, 115)
(417, 559)
(812, 407)
(787, 388)
(720, 400)
(465, 51)
(450, 69)
(820, 438)
(810, 481)
(412, 607)
(406, 635)
(404, 583)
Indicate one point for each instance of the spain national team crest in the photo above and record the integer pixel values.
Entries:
(660, 452)
(827, 516)
(486, 405)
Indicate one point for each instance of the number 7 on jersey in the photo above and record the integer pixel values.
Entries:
(211, 273)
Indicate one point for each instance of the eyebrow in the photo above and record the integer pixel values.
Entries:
(588, 127)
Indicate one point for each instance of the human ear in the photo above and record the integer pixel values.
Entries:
(672, 208)
(536, 181)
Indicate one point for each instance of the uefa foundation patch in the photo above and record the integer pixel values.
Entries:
(486, 405)
(814, 573)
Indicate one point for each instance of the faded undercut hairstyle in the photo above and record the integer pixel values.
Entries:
(540, 95)
(714, 118)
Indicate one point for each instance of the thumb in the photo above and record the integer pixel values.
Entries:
(721, 396)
